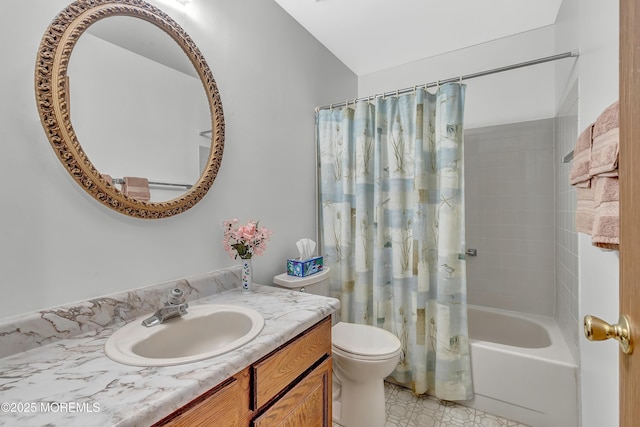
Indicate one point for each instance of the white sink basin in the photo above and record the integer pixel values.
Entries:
(207, 330)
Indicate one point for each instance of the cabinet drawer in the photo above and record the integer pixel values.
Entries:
(307, 404)
(277, 370)
(223, 406)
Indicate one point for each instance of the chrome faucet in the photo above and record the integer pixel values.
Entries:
(174, 307)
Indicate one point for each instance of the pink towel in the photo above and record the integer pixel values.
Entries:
(138, 188)
(605, 148)
(596, 177)
(579, 175)
(606, 221)
(585, 209)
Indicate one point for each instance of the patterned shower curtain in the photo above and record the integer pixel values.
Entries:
(392, 228)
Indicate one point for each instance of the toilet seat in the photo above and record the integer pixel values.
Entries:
(364, 342)
(337, 351)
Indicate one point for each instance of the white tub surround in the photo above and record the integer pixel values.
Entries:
(66, 379)
(522, 368)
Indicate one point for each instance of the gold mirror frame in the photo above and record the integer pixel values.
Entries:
(52, 98)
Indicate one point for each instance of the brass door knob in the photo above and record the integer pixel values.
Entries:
(596, 329)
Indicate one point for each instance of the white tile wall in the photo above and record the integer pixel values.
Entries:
(510, 205)
(566, 134)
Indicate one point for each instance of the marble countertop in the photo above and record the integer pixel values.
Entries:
(70, 381)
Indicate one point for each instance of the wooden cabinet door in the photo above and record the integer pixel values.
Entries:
(307, 404)
(278, 370)
(225, 406)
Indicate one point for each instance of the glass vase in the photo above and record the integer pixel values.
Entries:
(247, 275)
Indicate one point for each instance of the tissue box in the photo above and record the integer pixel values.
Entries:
(303, 268)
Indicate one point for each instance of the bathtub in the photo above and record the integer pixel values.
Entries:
(522, 368)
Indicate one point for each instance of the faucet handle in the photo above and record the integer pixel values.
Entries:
(176, 296)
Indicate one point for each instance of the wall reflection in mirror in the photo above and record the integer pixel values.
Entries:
(138, 106)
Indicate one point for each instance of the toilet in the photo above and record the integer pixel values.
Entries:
(363, 356)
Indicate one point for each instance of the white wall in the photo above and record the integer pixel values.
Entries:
(595, 26)
(509, 97)
(58, 245)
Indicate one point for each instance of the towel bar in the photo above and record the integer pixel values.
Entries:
(567, 158)
(165, 184)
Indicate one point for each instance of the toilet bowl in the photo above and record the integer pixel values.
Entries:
(363, 356)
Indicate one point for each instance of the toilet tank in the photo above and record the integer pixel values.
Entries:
(317, 284)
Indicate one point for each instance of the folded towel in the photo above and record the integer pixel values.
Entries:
(607, 120)
(138, 188)
(605, 147)
(579, 174)
(606, 221)
(585, 209)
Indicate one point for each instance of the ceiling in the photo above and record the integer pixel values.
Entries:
(372, 35)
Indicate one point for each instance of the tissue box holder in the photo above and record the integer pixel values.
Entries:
(303, 268)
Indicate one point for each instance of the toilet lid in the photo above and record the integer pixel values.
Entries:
(363, 340)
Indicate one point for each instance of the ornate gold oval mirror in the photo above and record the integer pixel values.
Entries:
(52, 95)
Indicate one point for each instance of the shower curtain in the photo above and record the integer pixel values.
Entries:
(391, 213)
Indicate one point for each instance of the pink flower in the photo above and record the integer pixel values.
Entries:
(247, 232)
(246, 240)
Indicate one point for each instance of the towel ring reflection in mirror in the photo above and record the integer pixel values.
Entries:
(52, 96)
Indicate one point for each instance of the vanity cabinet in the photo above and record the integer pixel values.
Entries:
(290, 386)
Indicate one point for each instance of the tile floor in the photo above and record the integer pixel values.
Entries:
(406, 410)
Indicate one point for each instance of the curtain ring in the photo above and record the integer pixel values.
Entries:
(397, 92)
(331, 107)
(461, 80)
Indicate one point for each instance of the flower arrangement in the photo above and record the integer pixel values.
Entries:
(244, 241)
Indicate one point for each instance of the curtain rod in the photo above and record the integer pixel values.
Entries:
(571, 54)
